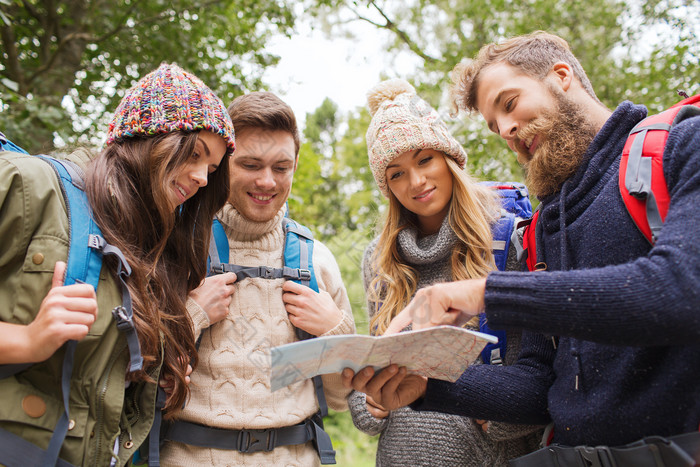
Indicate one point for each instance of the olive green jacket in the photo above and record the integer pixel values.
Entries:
(34, 234)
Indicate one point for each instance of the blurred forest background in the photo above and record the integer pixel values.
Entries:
(65, 64)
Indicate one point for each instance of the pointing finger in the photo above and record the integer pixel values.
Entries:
(399, 322)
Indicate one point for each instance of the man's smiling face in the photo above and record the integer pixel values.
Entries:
(262, 171)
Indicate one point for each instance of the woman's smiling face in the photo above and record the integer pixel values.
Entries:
(422, 182)
(194, 173)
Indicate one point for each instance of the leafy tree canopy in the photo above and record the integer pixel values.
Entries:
(641, 51)
(65, 64)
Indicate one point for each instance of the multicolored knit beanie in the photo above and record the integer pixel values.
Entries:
(170, 99)
(402, 121)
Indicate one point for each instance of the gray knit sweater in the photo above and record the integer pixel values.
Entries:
(411, 438)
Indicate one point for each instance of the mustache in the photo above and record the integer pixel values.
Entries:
(537, 126)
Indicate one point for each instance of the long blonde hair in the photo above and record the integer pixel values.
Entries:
(473, 210)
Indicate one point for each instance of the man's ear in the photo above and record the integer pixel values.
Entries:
(563, 75)
(296, 163)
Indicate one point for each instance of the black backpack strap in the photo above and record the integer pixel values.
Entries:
(248, 441)
(264, 272)
(18, 452)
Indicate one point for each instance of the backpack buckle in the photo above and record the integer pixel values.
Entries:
(256, 440)
(123, 318)
(266, 272)
(96, 242)
(304, 274)
(217, 268)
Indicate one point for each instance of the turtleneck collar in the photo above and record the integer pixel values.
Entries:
(428, 249)
(241, 228)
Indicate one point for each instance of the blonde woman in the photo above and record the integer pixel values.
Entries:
(437, 229)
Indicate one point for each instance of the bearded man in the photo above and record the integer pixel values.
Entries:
(620, 382)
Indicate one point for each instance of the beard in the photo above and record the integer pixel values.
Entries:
(565, 135)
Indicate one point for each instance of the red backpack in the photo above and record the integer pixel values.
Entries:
(642, 182)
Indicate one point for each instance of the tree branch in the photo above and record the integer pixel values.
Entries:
(92, 39)
(390, 25)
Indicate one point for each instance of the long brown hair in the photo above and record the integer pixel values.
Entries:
(473, 209)
(127, 186)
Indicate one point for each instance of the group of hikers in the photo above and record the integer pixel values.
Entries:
(144, 286)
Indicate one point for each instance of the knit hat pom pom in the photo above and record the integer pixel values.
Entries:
(387, 90)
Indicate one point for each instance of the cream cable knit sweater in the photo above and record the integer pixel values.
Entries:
(231, 386)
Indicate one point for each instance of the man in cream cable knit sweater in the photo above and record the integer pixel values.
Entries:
(240, 321)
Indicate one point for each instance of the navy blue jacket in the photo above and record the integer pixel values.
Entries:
(627, 364)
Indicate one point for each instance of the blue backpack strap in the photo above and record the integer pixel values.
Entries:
(84, 263)
(515, 203)
(83, 266)
(298, 254)
(218, 248)
(87, 246)
(7, 145)
(501, 231)
(495, 353)
(298, 251)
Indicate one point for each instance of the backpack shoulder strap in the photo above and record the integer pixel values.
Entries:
(642, 182)
(84, 262)
(298, 254)
(515, 204)
(218, 247)
(530, 242)
(86, 250)
(298, 251)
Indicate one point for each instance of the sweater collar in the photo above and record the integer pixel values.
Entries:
(428, 249)
(243, 229)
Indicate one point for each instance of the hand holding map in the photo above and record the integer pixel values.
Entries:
(442, 352)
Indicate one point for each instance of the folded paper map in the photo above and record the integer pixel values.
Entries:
(442, 352)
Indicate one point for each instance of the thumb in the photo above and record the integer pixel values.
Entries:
(59, 273)
(231, 277)
(399, 322)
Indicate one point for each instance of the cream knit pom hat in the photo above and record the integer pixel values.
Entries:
(401, 122)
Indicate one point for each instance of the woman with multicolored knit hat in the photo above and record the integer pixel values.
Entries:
(437, 229)
(80, 366)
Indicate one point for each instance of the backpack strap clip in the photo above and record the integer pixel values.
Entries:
(297, 274)
(266, 272)
(256, 440)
